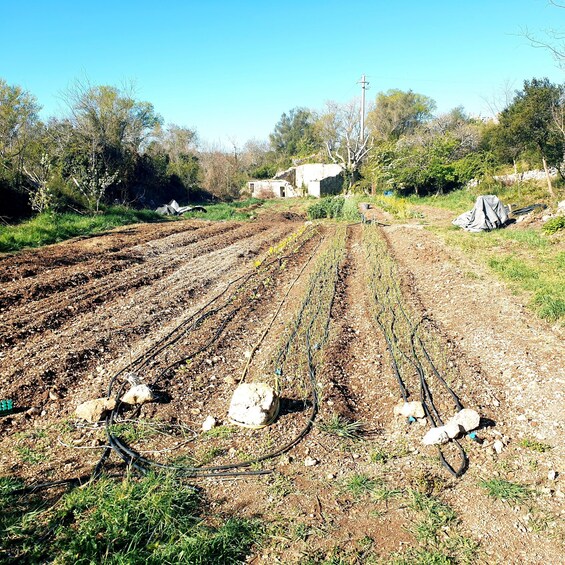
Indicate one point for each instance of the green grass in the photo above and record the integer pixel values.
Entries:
(52, 227)
(359, 484)
(535, 445)
(505, 490)
(525, 258)
(341, 427)
(151, 520)
(238, 210)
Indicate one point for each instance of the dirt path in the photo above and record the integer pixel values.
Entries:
(74, 314)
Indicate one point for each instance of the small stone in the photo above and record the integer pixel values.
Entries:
(552, 475)
(407, 409)
(310, 462)
(53, 395)
(208, 424)
(330, 476)
(436, 436)
(92, 410)
(139, 394)
(468, 419)
(498, 446)
(230, 380)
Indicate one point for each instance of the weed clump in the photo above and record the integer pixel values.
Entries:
(155, 519)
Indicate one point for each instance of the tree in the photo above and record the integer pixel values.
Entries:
(340, 130)
(18, 118)
(179, 145)
(529, 123)
(295, 135)
(110, 129)
(397, 113)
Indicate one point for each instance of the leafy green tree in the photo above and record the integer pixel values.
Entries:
(397, 113)
(528, 124)
(109, 129)
(18, 118)
(295, 135)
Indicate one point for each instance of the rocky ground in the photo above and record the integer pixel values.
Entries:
(75, 314)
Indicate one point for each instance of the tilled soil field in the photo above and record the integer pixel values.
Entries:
(193, 308)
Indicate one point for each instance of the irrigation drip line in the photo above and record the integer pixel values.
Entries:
(142, 464)
(393, 342)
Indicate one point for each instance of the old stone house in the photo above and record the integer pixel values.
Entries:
(314, 179)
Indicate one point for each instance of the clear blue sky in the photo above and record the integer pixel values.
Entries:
(231, 68)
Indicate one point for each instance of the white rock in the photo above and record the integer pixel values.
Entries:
(453, 429)
(92, 410)
(310, 462)
(552, 475)
(407, 409)
(468, 419)
(498, 446)
(138, 394)
(253, 404)
(436, 436)
(208, 424)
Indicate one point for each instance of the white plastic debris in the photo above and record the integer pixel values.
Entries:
(139, 394)
(253, 405)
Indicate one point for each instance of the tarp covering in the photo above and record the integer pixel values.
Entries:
(488, 214)
(173, 209)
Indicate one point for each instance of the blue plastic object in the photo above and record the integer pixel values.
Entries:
(6, 406)
(411, 419)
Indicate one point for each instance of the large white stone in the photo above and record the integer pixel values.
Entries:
(468, 419)
(139, 394)
(453, 429)
(436, 436)
(92, 410)
(253, 404)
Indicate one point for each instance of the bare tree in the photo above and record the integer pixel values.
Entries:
(340, 130)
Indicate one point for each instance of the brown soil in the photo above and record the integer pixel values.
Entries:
(74, 314)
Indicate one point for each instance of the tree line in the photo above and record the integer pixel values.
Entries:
(111, 147)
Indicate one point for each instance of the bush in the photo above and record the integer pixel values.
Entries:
(553, 225)
(328, 207)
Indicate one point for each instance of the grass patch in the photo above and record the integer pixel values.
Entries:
(152, 520)
(341, 427)
(535, 445)
(525, 258)
(505, 490)
(238, 210)
(52, 227)
(359, 484)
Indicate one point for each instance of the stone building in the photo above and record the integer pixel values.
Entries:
(315, 179)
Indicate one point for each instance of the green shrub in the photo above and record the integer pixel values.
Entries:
(327, 207)
(553, 225)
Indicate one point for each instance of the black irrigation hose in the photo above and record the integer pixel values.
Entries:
(142, 464)
(426, 396)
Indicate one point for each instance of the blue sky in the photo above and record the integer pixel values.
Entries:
(231, 68)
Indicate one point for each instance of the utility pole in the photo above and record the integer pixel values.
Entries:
(364, 85)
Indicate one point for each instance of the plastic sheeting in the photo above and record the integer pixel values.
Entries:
(487, 214)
